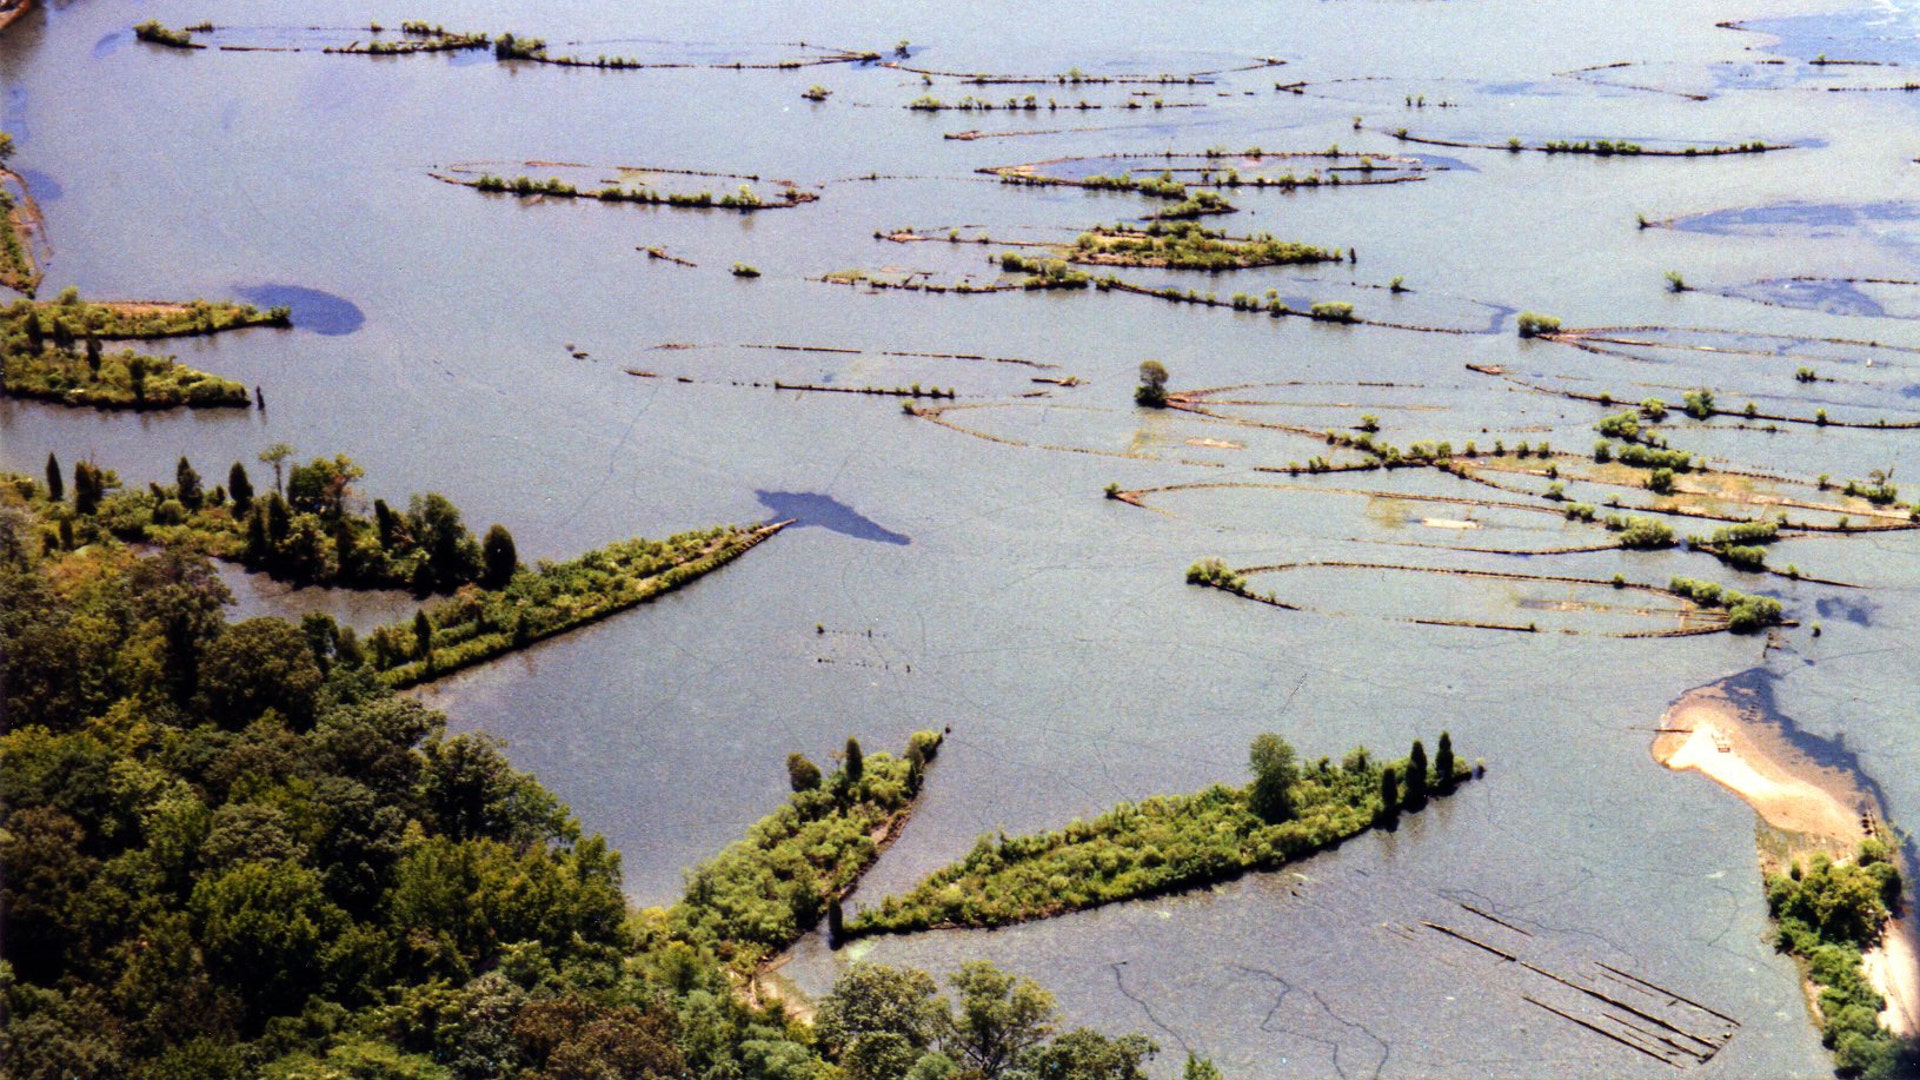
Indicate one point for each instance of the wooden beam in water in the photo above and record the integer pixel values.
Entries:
(1493, 918)
(1596, 1029)
(1618, 1004)
(1501, 953)
(1669, 993)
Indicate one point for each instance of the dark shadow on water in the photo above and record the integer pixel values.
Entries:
(1754, 688)
(812, 508)
(320, 312)
(1826, 295)
(1857, 612)
(1869, 33)
(42, 187)
(1796, 218)
(1441, 161)
(111, 42)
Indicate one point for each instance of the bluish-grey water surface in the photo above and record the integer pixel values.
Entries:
(965, 580)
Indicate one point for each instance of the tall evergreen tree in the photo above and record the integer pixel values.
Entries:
(56, 484)
(422, 634)
(88, 487)
(856, 761)
(1417, 775)
(187, 484)
(240, 487)
(1389, 792)
(1443, 762)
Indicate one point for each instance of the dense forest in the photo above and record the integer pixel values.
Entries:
(230, 849)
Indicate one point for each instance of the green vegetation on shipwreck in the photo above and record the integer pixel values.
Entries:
(1172, 843)
(1168, 244)
(55, 351)
(310, 534)
(230, 853)
(745, 199)
(1190, 246)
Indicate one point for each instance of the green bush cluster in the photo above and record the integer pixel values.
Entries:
(1533, 324)
(1827, 912)
(1214, 571)
(1745, 613)
(1044, 273)
(151, 30)
(1624, 426)
(1639, 532)
(1162, 844)
(1189, 246)
(1644, 457)
(1198, 204)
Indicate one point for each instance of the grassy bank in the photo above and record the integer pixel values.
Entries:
(764, 891)
(477, 624)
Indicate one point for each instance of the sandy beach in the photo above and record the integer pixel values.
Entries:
(1704, 732)
(1709, 733)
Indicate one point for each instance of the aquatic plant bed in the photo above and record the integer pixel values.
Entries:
(1595, 147)
(1711, 494)
(476, 625)
(416, 37)
(419, 37)
(927, 103)
(1167, 175)
(1164, 844)
(1695, 611)
(1176, 246)
(1076, 77)
(765, 891)
(628, 184)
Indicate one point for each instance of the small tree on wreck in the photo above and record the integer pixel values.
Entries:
(1152, 391)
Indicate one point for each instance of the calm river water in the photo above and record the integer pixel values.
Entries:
(941, 579)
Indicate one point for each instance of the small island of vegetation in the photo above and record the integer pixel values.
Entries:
(1189, 246)
(1172, 843)
(310, 531)
(56, 351)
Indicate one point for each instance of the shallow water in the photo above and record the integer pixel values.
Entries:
(438, 340)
